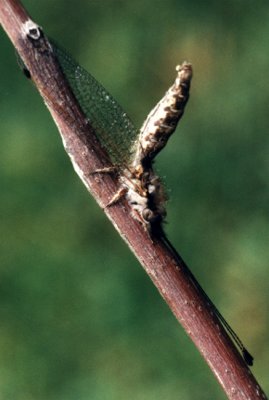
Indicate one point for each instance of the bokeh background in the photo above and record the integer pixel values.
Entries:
(79, 317)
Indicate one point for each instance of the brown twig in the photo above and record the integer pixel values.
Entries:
(167, 270)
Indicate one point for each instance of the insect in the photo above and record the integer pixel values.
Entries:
(132, 151)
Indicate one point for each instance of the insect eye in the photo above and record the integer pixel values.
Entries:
(148, 215)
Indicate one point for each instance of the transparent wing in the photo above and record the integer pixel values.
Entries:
(113, 127)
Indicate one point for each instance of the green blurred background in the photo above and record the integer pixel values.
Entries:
(79, 317)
